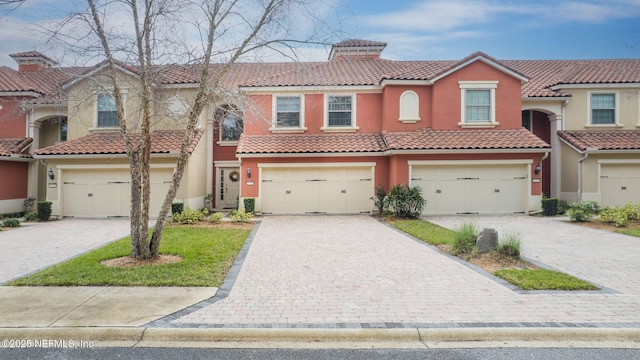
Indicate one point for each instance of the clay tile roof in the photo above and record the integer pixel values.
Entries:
(162, 142)
(310, 143)
(33, 54)
(602, 139)
(429, 139)
(12, 147)
(359, 43)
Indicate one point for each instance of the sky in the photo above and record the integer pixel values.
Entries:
(414, 29)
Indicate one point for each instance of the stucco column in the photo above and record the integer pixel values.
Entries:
(555, 123)
(210, 140)
(33, 131)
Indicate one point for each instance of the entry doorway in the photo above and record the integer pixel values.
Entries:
(229, 187)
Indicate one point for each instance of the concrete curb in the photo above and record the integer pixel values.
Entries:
(321, 335)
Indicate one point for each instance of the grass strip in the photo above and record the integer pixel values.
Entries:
(208, 253)
(543, 279)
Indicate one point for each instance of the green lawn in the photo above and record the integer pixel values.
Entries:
(538, 279)
(424, 230)
(208, 253)
(632, 231)
(542, 279)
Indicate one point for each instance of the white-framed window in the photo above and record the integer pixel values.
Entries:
(231, 124)
(339, 113)
(289, 112)
(478, 103)
(603, 108)
(409, 107)
(107, 115)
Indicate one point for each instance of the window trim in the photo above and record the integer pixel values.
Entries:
(403, 108)
(616, 110)
(274, 116)
(353, 127)
(123, 93)
(226, 110)
(478, 85)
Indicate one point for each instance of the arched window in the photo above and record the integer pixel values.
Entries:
(409, 107)
(231, 124)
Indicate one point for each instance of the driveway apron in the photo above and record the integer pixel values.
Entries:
(353, 271)
(35, 246)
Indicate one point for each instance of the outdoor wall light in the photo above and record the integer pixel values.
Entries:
(538, 169)
(248, 172)
(50, 173)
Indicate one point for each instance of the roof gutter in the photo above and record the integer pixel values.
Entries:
(466, 151)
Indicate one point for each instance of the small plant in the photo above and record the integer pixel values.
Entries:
(550, 206)
(509, 246)
(614, 216)
(32, 216)
(207, 200)
(215, 218)
(583, 211)
(406, 201)
(240, 216)
(249, 205)
(177, 208)
(378, 199)
(188, 216)
(563, 207)
(464, 240)
(28, 204)
(44, 210)
(11, 223)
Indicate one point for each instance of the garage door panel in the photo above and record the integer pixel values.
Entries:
(485, 188)
(316, 190)
(107, 192)
(619, 184)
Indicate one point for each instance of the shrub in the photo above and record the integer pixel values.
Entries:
(44, 210)
(583, 211)
(216, 218)
(249, 205)
(177, 208)
(11, 223)
(563, 207)
(631, 211)
(240, 216)
(188, 216)
(509, 246)
(378, 199)
(28, 204)
(615, 216)
(32, 216)
(406, 202)
(550, 206)
(464, 240)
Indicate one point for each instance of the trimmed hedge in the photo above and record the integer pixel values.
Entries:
(44, 210)
(249, 205)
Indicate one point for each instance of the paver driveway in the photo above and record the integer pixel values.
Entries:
(352, 271)
(38, 245)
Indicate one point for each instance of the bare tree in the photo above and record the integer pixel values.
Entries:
(228, 30)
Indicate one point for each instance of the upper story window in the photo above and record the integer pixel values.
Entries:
(288, 112)
(603, 109)
(409, 107)
(478, 105)
(339, 112)
(231, 123)
(63, 129)
(107, 114)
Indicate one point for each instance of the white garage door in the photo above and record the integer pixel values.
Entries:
(330, 190)
(472, 189)
(107, 192)
(619, 183)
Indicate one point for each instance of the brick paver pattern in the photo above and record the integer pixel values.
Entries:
(354, 269)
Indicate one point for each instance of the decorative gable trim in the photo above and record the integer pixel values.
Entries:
(485, 59)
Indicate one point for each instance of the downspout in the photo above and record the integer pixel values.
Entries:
(583, 158)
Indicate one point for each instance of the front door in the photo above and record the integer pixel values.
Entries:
(229, 187)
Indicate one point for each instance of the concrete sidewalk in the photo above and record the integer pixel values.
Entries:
(343, 279)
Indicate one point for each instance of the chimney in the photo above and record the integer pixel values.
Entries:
(356, 48)
(32, 61)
